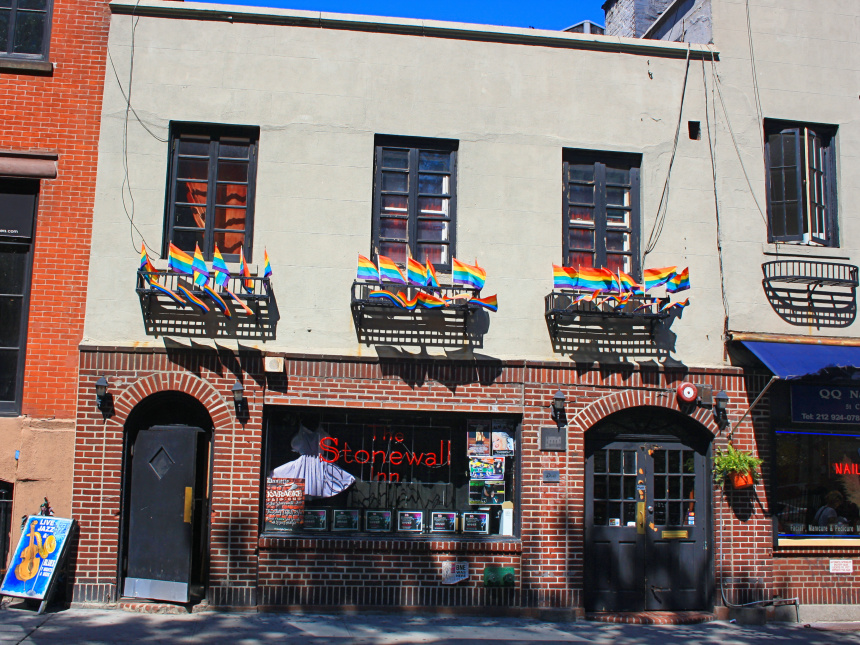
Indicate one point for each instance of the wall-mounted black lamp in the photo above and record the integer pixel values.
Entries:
(557, 413)
(721, 402)
(104, 401)
(239, 400)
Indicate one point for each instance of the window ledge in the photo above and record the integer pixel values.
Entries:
(328, 542)
(802, 250)
(23, 66)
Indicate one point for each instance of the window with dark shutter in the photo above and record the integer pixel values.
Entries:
(801, 183)
(25, 28)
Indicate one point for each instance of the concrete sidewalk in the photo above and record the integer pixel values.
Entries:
(20, 625)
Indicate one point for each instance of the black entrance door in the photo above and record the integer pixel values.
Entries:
(161, 513)
(647, 525)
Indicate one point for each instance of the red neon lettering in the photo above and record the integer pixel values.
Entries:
(846, 469)
(395, 458)
(412, 458)
(346, 453)
(366, 456)
(326, 448)
(378, 452)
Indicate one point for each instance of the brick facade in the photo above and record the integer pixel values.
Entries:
(247, 569)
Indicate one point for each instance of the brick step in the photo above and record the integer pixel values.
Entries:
(651, 617)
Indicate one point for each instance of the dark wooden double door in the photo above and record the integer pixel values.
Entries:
(647, 525)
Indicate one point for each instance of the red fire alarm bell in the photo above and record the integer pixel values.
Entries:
(687, 392)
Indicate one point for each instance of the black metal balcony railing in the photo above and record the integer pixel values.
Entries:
(562, 308)
(811, 293)
(165, 317)
(378, 320)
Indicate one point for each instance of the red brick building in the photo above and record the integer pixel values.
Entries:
(52, 61)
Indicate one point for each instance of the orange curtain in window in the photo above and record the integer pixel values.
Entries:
(196, 194)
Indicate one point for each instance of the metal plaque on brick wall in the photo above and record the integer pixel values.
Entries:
(553, 439)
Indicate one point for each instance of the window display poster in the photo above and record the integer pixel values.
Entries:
(487, 468)
(285, 504)
(486, 492)
(503, 438)
(345, 520)
(376, 521)
(478, 439)
(412, 521)
(476, 522)
(36, 559)
(443, 522)
(315, 519)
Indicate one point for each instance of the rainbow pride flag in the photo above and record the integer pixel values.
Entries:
(405, 302)
(385, 295)
(389, 271)
(239, 302)
(219, 267)
(429, 300)
(654, 278)
(167, 292)
(366, 270)
(179, 261)
(592, 279)
(645, 305)
(145, 264)
(247, 283)
(629, 284)
(679, 281)
(194, 300)
(201, 272)
(416, 273)
(267, 266)
(432, 281)
(466, 274)
(219, 301)
(490, 303)
(564, 277)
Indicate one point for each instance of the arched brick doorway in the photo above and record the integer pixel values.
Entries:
(648, 544)
(167, 445)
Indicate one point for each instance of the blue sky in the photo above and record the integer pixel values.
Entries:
(540, 14)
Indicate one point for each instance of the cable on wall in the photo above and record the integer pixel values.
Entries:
(660, 220)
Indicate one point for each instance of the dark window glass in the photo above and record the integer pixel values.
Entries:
(211, 200)
(369, 463)
(414, 200)
(601, 211)
(25, 27)
(801, 194)
(15, 260)
(817, 492)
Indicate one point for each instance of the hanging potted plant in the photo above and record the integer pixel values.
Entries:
(737, 467)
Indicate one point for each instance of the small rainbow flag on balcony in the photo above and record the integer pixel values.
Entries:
(366, 270)
(179, 261)
(267, 266)
(592, 279)
(239, 302)
(629, 284)
(219, 301)
(672, 305)
(145, 264)
(429, 300)
(432, 281)
(490, 303)
(219, 267)
(416, 273)
(679, 281)
(389, 271)
(466, 274)
(194, 300)
(385, 295)
(654, 278)
(564, 277)
(201, 272)
(405, 302)
(247, 283)
(167, 292)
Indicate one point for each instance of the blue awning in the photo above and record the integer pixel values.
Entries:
(792, 361)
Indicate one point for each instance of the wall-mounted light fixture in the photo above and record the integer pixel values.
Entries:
(721, 402)
(557, 413)
(104, 401)
(239, 401)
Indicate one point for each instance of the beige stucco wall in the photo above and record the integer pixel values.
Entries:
(43, 469)
(320, 95)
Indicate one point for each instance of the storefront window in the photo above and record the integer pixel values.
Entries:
(818, 483)
(377, 472)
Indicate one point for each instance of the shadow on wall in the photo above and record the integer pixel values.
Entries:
(451, 372)
(220, 360)
(378, 325)
(616, 340)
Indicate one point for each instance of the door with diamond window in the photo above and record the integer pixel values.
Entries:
(647, 526)
(160, 530)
